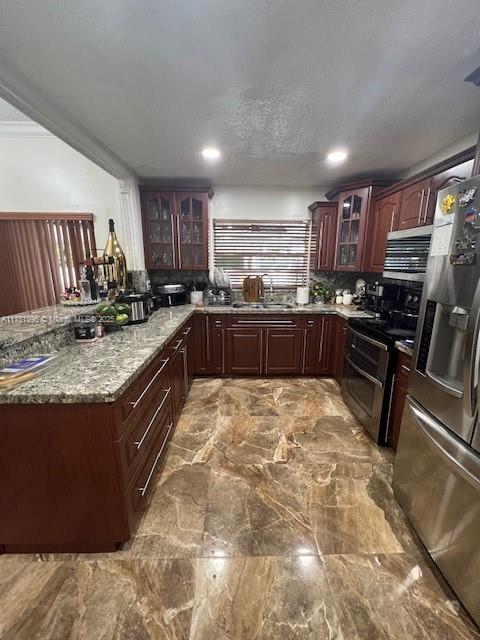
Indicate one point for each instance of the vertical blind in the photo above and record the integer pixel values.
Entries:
(280, 249)
(40, 256)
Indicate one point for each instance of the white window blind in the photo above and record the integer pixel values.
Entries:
(253, 248)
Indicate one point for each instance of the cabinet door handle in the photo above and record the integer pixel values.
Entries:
(420, 207)
(392, 219)
(179, 246)
(207, 324)
(177, 344)
(407, 369)
(135, 403)
(138, 443)
(143, 490)
(173, 243)
(187, 331)
(426, 206)
(319, 248)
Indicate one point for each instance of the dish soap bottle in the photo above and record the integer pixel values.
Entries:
(113, 248)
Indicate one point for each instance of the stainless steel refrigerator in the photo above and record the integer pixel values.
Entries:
(437, 466)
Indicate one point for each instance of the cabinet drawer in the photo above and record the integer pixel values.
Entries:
(267, 320)
(143, 483)
(179, 339)
(137, 441)
(402, 370)
(136, 400)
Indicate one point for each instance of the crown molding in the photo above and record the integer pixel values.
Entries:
(16, 90)
(23, 129)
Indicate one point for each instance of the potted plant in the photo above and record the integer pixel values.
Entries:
(321, 292)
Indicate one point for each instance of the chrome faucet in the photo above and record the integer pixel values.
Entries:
(270, 291)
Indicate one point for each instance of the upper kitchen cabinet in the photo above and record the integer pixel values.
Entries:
(415, 209)
(175, 228)
(324, 231)
(384, 219)
(354, 205)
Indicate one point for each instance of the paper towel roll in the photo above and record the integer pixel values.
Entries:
(303, 295)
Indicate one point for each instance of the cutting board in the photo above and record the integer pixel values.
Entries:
(252, 288)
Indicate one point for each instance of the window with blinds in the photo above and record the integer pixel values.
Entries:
(252, 248)
(40, 257)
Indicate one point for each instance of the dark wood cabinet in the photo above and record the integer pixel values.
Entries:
(175, 228)
(283, 351)
(216, 345)
(446, 178)
(178, 373)
(399, 393)
(324, 230)
(89, 498)
(200, 344)
(351, 223)
(310, 345)
(244, 351)
(339, 353)
(384, 219)
(415, 209)
(326, 345)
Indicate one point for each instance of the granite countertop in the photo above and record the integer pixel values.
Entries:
(344, 311)
(22, 327)
(101, 371)
(403, 348)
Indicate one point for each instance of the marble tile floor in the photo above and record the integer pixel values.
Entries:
(273, 518)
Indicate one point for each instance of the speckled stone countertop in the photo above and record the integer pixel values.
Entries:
(345, 312)
(101, 371)
(403, 348)
(22, 327)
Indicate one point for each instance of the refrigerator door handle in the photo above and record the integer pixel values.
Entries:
(472, 347)
(457, 454)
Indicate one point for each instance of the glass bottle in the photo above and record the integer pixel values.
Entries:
(113, 248)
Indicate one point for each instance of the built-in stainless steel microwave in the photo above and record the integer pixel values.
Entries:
(407, 253)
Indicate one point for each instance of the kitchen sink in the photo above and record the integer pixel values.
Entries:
(262, 305)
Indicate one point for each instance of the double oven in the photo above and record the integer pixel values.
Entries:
(367, 381)
(370, 352)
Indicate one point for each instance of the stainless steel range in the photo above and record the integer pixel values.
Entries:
(437, 467)
(367, 382)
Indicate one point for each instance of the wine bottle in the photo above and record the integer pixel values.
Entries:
(119, 271)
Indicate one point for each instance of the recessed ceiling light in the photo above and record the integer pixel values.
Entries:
(211, 153)
(337, 156)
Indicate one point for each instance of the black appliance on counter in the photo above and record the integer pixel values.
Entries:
(369, 349)
(171, 295)
(140, 304)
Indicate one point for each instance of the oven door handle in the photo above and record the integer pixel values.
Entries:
(365, 374)
(380, 345)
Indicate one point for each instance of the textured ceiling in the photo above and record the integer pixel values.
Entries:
(274, 83)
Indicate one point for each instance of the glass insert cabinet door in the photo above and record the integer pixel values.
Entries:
(159, 230)
(351, 221)
(193, 230)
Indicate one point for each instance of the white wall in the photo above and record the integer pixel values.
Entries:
(443, 154)
(263, 203)
(39, 172)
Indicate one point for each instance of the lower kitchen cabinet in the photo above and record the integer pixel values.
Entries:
(283, 351)
(244, 351)
(77, 477)
(326, 345)
(399, 393)
(287, 345)
(310, 345)
(339, 353)
(207, 344)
